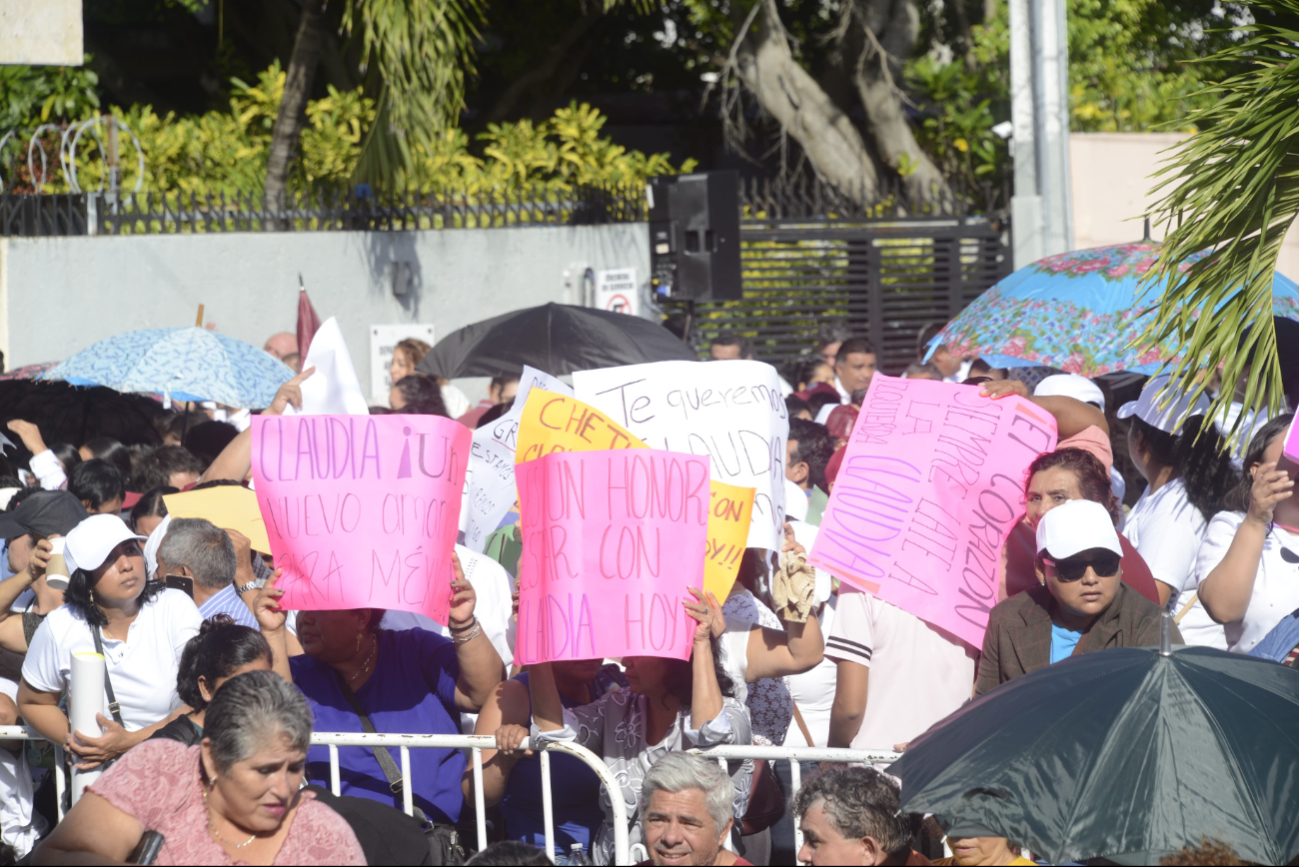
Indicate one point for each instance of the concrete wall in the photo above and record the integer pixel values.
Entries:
(59, 295)
(1112, 177)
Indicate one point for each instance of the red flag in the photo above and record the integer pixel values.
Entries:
(308, 324)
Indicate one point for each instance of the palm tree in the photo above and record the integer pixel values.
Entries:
(1233, 188)
(415, 57)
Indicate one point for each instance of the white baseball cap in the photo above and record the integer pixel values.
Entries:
(1071, 385)
(1163, 406)
(1076, 526)
(90, 542)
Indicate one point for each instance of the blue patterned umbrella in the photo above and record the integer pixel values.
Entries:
(187, 363)
(1078, 312)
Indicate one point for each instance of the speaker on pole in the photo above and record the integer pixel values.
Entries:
(694, 225)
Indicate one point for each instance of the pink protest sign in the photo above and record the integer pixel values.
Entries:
(611, 541)
(931, 484)
(1290, 447)
(361, 511)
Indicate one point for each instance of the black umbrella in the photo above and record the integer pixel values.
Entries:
(1127, 754)
(556, 338)
(74, 414)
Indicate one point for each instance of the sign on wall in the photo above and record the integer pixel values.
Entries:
(617, 291)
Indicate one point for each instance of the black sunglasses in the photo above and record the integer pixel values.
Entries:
(1104, 565)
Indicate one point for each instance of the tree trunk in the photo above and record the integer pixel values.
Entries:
(766, 66)
(292, 114)
(891, 26)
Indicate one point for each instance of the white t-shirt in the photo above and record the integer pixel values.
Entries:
(1166, 529)
(918, 673)
(1276, 584)
(19, 826)
(142, 669)
(813, 692)
(768, 699)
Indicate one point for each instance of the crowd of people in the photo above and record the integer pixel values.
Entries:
(214, 689)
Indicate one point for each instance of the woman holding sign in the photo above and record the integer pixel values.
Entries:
(359, 677)
(672, 705)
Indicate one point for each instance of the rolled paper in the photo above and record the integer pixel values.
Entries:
(85, 700)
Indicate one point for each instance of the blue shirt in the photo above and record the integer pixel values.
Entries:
(1063, 641)
(575, 789)
(227, 601)
(412, 690)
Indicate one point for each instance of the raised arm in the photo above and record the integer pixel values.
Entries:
(11, 626)
(481, 668)
(1072, 416)
(706, 694)
(273, 620)
(1228, 588)
(236, 459)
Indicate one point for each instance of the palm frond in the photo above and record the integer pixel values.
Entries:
(1232, 188)
(422, 51)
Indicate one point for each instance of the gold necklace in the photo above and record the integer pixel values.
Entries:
(212, 828)
(365, 666)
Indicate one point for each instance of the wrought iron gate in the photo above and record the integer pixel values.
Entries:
(885, 279)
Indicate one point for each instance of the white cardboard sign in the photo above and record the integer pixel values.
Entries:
(732, 411)
(489, 482)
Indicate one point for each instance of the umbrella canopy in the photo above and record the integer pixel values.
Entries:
(68, 414)
(30, 371)
(556, 338)
(1078, 312)
(187, 363)
(1126, 754)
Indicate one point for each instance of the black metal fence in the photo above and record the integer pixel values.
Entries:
(315, 211)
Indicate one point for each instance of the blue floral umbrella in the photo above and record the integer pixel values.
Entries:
(186, 363)
(1078, 312)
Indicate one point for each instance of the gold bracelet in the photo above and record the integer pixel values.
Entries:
(474, 633)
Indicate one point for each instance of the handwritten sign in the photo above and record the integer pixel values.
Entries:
(361, 511)
(560, 423)
(732, 411)
(611, 541)
(557, 423)
(931, 483)
(489, 483)
(232, 507)
(1290, 448)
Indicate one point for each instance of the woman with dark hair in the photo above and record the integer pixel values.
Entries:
(670, 705)
(417, 395)
(139, 628)
(109, 449)
(811, 373)
(222, 649)
(1246, 564)
(1055, 478)
(149, 510)
(1189, 472)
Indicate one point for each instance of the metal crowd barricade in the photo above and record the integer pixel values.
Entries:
(405, 743)
(795, 756)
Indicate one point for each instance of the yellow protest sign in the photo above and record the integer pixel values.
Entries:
(228, 506)
(558, 423)
(729, 513)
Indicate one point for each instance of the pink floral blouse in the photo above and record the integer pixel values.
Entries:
(159, 783)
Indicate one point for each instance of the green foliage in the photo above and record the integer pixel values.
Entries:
(32, 95)
(957, 131)
(1233, 188)
(226, 151)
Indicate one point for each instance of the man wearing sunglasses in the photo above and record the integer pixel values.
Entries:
(1082, 608)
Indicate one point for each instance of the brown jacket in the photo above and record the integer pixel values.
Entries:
(1018, 640)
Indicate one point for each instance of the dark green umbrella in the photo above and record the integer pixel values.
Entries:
(1127, 754)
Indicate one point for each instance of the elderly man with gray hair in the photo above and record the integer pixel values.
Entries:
(851, 815)
(197, 554)
(686, 808)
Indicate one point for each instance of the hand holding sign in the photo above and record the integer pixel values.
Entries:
(361, 511)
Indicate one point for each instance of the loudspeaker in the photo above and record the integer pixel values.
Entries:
(695, 236)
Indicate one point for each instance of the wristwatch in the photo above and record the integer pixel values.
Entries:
(254, 584)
